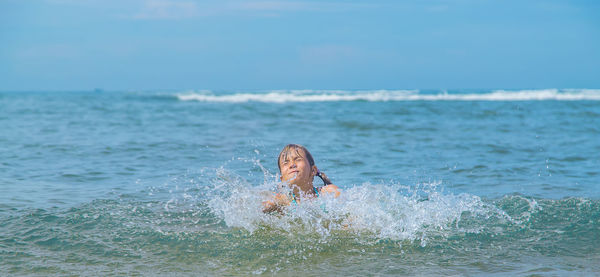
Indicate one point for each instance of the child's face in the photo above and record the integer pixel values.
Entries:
(295, 168)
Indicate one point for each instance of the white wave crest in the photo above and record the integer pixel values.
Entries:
(287, 96)
(299, 96)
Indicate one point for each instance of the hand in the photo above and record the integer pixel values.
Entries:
(276, 202)
(270, 206)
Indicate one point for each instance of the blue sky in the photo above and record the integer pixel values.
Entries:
(187, 44)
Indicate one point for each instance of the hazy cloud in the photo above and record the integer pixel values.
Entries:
(328, 54)
(55, 51)
(165, 9)
(184, 9)
(280, 6)
(437, 8)
(162, 9)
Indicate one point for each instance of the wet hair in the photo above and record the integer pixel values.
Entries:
(294, 147)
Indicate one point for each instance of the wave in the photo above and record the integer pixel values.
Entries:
(291, 96)
(211, 221)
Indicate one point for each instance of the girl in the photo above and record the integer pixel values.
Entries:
(297, 168)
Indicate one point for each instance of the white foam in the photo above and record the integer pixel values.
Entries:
(287, 96)
(396, 212)
(298, 96)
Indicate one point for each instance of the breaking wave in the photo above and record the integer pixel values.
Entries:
(287, 96)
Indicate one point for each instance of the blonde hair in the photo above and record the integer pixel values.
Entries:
(288, 148)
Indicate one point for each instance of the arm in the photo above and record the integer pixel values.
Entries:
(275, 203)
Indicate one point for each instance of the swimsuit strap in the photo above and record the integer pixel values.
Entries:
(294, 197)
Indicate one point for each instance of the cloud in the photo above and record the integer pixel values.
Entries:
(55, 51)
(281, 6)
(437, 8)
(72, 2)
(271, 6)
(172, 9)
(162, 9)
(185, 9)
(328, 54)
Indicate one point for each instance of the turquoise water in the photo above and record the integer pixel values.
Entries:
(170, 182)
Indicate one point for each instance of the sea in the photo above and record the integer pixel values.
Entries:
(171, 183)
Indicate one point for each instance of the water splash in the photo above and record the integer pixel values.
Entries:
(380, 211)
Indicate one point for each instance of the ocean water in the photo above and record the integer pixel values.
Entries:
(465, 182)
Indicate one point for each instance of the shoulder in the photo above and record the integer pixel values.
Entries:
(331, 188)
